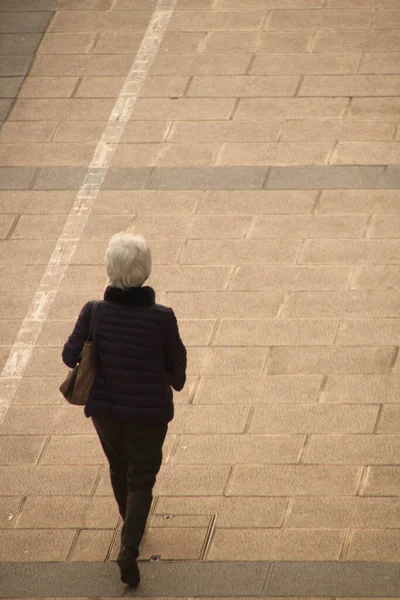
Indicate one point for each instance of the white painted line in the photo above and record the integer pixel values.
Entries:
(66, 244)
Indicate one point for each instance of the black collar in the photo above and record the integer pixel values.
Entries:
(134, 296)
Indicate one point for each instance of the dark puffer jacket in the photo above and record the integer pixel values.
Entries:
(139, 356)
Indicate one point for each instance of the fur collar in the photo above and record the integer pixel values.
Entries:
(134, 296)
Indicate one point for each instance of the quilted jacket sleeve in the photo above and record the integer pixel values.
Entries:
(73, 346)
(175, 354)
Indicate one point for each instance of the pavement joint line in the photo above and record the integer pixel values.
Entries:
(96, 172)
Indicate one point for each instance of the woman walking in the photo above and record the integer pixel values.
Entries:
(139, 357)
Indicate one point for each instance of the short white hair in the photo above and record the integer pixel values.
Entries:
(128, 260)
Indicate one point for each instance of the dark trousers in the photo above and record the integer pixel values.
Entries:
(134, 453)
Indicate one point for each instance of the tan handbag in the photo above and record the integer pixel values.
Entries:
(78, 383)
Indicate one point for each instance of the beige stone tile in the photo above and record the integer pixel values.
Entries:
(325, 359)
(357, 304)
(239, 252)
(183, 109)
(386, 19)
(173, 544)
(36, 202)
(226, 361)
(353, 449)
(257, 202)
(199, 64)
(19, 277)
(361, 389)
(340, 40)
(45, 362)
(9, 506)
(224, 305)
(4, 354)
(13, 305)
(189, 480)
(313, 419)
(79, 131)
(384, 226)
(57, 109)
(73, 450)
(250, 4)
(386, 40)
(238, 449)
(356, 252)
(305, 64)
(260, 389)
(68, 513)
(186, 395)
(350, 85)
(66, 43)
(368, 331)
(262, 41)
(180, 155)
(84, 5)
(209, 419)
(92, 546)
(242, 86)
(376, 278)
(381, 481)
(253, 109)
(81, 65)
(224, 131)
(28, 131)
(359, 201)
(45, 420)
(335, 513)
(374, 545)
(315, 131)
(230, 511)
(37, 155)
(6, 221)
(293, 480)
(267, 544)
(216, 20)
(129, 43)
(197, 227)
(9, 331)
(275, 154)
(390, 420)
(19, 450)
(320, 19)
(164, 252)
(189, 279)
(147, 202)
(164, 86)
(196, 332)
(146, 4)
(309, 226)
(381, 62)
(32, 480)
(48, 87)
(102, 227)
(39, 227)
(82, 278)
(92, 21)
(32, 546)
(38, 390)
(118, 43)
(275, 332)
(261, 277)
(354, 4)
(381, 109)
(378, 153)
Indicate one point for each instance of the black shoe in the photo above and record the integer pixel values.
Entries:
(130, 576)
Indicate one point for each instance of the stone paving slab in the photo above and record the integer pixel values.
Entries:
(214, 579)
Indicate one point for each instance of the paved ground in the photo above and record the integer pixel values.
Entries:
(261, 160)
